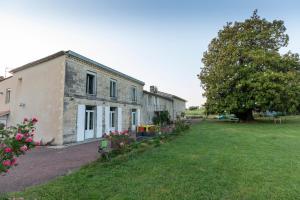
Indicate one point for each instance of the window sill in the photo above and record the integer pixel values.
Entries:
(90, 94)
(114, 98)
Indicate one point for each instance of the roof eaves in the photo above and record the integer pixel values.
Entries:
(176, 97)
(31, 64)
(159, 95)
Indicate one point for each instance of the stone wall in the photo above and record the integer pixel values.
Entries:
(152, 103)
(75, 94)
(179, 107)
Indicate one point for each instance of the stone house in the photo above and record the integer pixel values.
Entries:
(155, 101)
(78, 99)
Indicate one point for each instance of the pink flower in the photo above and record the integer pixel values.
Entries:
(7, 150)
(26, 135)
(25, 119)
(6, 163)
(24, 148)
(19, 136)
(29, 139)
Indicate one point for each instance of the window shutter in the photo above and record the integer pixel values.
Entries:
(80, 122)
(99, 121)
(106, 119)
(138, 117)
(119, 119)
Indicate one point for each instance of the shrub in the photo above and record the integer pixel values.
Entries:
(162, 118)
(119, 141)
(181, 125)
(15, 141)
(122, 143)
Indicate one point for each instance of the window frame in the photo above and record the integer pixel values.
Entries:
(112, 94)
(89, 123)
(112, 117)
(133, 119)
(133, 93)
(87, 84)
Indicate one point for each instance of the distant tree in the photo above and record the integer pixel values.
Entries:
(193, 107)
(244, 71)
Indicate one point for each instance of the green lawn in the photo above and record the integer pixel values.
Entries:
(197, 112)
(213, 160)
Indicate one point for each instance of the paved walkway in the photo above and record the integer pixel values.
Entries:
(43, 164)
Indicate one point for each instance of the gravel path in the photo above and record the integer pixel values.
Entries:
(43, 164)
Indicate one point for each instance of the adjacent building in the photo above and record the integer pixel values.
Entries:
(78, 99)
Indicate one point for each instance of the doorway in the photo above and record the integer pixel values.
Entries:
(89, 130)
(133, 119)
(112, 119)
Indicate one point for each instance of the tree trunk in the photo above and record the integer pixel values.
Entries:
(245, 116)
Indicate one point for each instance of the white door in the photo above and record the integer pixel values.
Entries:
(89, 124)
(112, 120)
(133, 120)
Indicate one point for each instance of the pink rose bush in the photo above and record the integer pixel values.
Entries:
(16, 141)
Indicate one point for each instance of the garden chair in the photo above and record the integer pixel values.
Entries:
(104, 148)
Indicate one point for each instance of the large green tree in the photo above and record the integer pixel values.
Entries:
(244, 70)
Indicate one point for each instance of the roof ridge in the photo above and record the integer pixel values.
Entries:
(77, 55)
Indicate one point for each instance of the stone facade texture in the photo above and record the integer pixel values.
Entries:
(75, 94)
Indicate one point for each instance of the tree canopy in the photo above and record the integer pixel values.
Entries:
(244, 70)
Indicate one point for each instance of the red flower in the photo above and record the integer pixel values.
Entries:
(7, 150)
(6, 163)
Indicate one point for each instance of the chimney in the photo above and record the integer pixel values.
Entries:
(153, 89)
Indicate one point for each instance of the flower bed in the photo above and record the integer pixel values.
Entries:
(121, 143)
(15, 141)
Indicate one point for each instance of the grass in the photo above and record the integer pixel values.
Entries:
(195, 113)
(213, 160)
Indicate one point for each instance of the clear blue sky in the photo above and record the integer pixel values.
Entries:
(158, 41)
